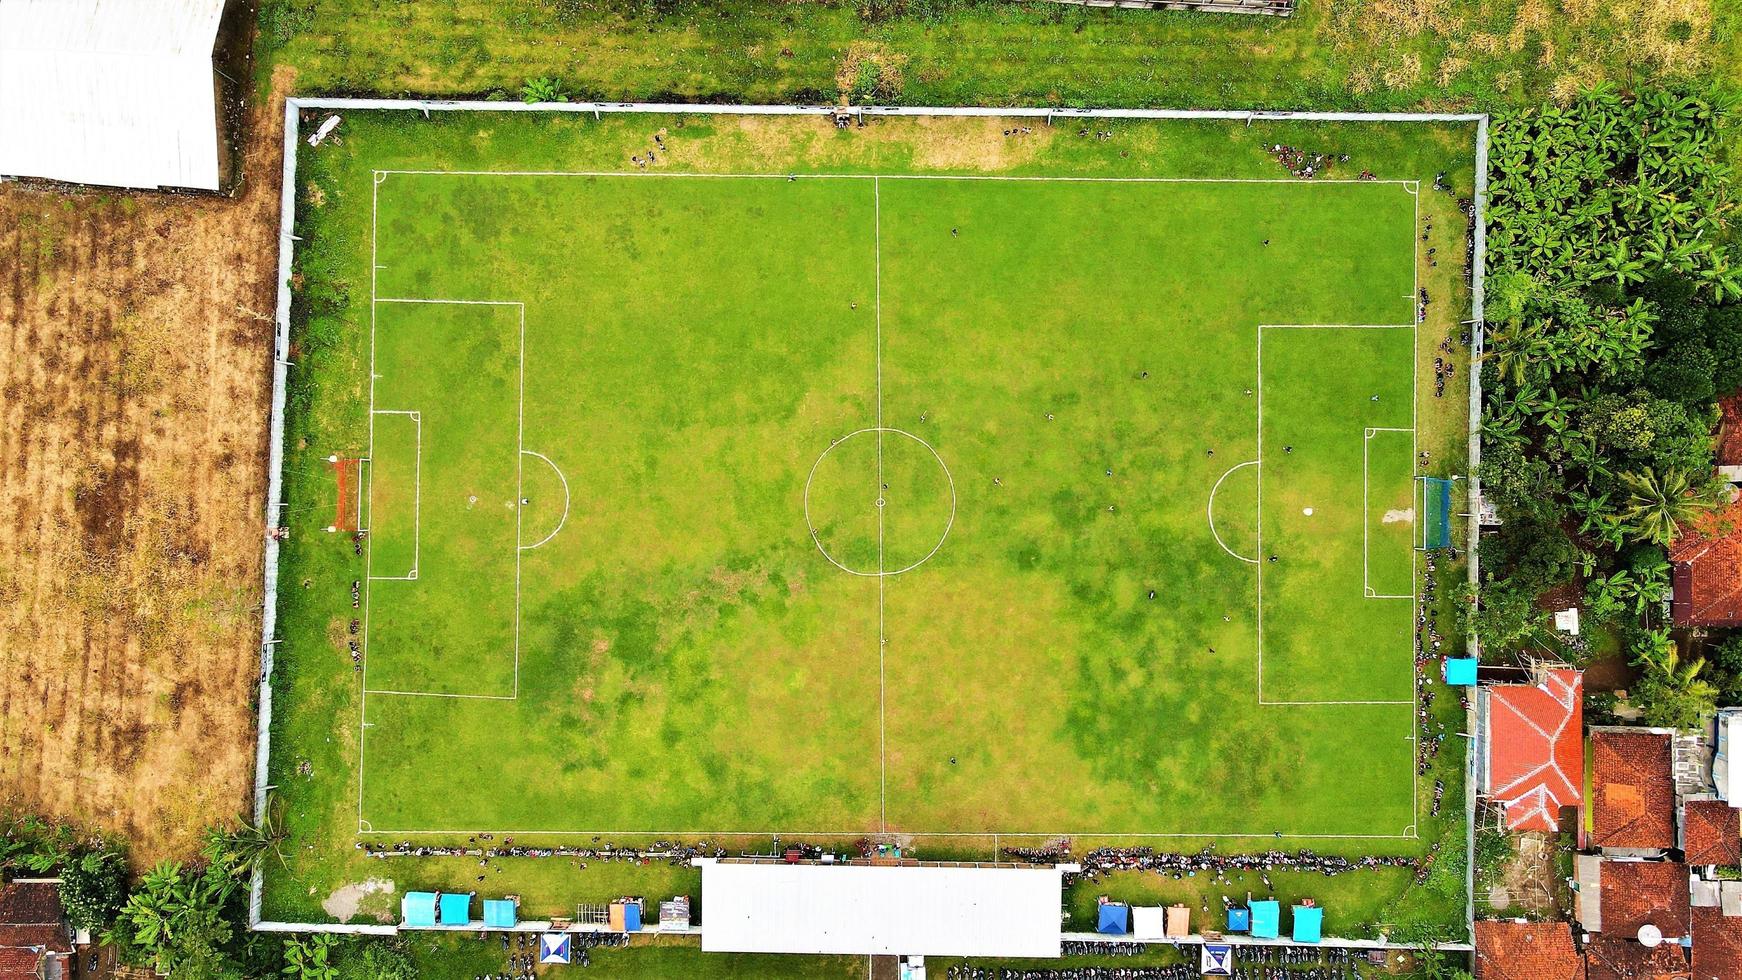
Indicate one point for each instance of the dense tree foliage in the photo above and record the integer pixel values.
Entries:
(1613, 325)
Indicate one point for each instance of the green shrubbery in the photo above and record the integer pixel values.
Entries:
(1613, 325)
(189, 920)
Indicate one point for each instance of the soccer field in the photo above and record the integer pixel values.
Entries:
(912, 502)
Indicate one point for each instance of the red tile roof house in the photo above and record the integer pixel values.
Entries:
(1712, 834)
(1532, 754)
(1706, 571)
(1612, 958)
(1527, 951)
(1717, 945)
(34, 942)
(1636, 894)
(1633, 797)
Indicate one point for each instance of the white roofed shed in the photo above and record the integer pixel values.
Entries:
(114, 92)
(927, 910)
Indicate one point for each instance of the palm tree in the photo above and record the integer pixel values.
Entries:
(1658, 506)
(240, 850)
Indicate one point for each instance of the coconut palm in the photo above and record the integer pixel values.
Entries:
(1658, 506)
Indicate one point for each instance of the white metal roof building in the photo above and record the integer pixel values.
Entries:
(925, 910)
(117, 92)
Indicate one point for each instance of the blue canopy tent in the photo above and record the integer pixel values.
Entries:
(1266, 919)
(1308, 919)
(499, 913)
(1461, 671)
(554, 947)
(418, 909)
(456, 909)
(1239, 918)
(1115, 919)
(632, 917)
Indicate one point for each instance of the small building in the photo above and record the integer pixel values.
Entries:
(1717, 949)
(1633, 795)
(500, 913)
(1727, 756)
(1531, 752)
(35, 943)
(116, 92)
(1114, 919)
(1711, 833)
(417, 910)
(1148, 922)
(1706, 571)
(1460, 671)
(1266, 919)
(1527, 951)
(1637, 894)
(1618, 958)
(915, 909)
(455, 909)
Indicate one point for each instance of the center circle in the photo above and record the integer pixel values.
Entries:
(913, 503)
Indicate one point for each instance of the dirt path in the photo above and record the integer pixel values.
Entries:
(134, 385)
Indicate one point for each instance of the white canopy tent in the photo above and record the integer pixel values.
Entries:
(116, 92)
(857, 909)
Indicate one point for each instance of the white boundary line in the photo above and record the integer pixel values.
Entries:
(876, 177)
(566, 500)
(282, 349)
(1367, 589)
(861, 832)
(882, 584)
(416, 495)
(1210, 510)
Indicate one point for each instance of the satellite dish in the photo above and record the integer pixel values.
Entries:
(1650, 936)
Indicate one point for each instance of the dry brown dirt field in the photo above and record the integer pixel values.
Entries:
(135, 347)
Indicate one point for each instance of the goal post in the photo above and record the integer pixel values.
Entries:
(1436, 507)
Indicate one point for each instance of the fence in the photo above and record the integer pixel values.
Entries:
(281, 348)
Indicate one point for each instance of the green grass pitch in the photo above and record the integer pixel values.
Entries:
(839, 504)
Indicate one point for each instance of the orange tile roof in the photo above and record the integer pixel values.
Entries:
(1526, 951)
(1536, 752)
(1637, 893)
(1632, 790)
(1614, 958)
(1730, 430)
(1717, 945)
(1707, 570)
(1712, 834)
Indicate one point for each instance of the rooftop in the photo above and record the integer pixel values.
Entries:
(1632, 790)
(1535, 750)
(1615, 958)
(29, 916)
(1637, 893)
(110, 93)
(1707, 576)
(1717, 945)
(1730, 430)
(1526, 951)
(1713, 833)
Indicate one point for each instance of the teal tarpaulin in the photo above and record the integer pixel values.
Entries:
(499, 913)
(418, 909)
(1461, 671)
(1266, 919)
(1307, 921)
(456, 909)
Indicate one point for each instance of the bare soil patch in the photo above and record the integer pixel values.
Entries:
(135, 349)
